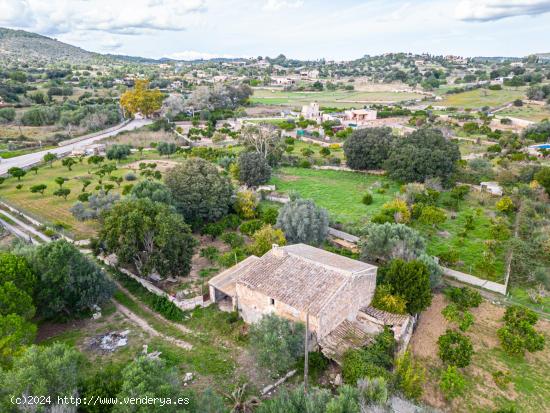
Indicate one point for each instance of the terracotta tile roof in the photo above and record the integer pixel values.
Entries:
(226, 280)
(348, 334)
(385, 317)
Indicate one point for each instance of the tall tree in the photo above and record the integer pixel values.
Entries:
(424, 154)
(253, 169)
(149, 235)
(141, 99)
(69, 283)
(368, 148)
(303, 221)
(200, 192)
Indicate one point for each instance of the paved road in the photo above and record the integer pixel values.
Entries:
(35, 157)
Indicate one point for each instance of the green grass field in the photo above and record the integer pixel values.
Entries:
(341, 99)
(341, 194)
(482, 97)
(535, 113)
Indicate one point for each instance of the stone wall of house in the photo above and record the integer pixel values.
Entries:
(358, 292)
(253, 305)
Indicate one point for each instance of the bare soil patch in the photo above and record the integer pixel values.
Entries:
(162, 164)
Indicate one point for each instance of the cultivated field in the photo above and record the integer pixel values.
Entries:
(529, 388)
(535, 113)
(54, 210)
(341, 99)
(482, 97)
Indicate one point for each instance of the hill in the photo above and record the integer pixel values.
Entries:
(22, 46)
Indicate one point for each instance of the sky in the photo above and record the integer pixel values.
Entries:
(301, 29)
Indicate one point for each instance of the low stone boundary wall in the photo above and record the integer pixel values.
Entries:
(187, 304)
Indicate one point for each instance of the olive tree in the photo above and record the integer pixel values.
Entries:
(303, 222)
(277, 342)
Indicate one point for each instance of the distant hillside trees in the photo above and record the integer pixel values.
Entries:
(219, 96)
(368, 148)
(141, 99)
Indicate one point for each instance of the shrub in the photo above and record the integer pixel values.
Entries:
(232, 239)
(505, 205)
(211, 253)
(304, 163)
(384, 300)
(367, 198)
(118, 152)
(463, 319)
(395, 211)
(449, 257)
(409, 376)
(166, 148)
(455, 348)
(372, 361)
(410, 280)
(452, 383)
(231, 221)
(130, 176)
(265, 238)
(373, 391)
(518, 333)
(269, 215)
(464, 297)
(84, 197)
(277, 343)
(246, 204)
(214, 229)
(250, 227)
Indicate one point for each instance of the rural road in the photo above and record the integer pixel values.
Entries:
(24, 161)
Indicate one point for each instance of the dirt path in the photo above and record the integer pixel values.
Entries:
(180, 327)
(145, 326)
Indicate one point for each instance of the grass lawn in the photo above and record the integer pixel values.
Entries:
(341, 194)
(482, 97)
(52, 209)
(341, 99)
(535, 113)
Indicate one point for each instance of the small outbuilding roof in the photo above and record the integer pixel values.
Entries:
(226, 280)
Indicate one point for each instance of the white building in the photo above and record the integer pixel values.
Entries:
(311, 111)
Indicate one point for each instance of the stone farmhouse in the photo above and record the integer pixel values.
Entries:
(300, 282)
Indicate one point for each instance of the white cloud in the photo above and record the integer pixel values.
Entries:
(489, 10)
(113, 16)
(276, 5)
(195, 55)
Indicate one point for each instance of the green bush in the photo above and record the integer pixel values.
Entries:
(374, 360)
(464, 319)
(452, 383)
(233, 239)
(518, 333)
(367, 198)
(464, 297)
(455, 348)
(409, 376)
(250, 227)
